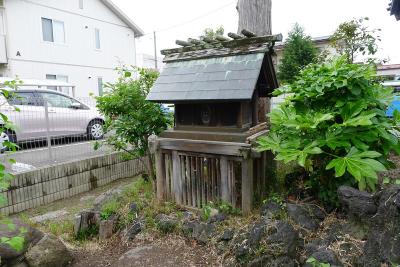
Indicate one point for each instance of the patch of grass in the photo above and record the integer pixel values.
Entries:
(109, 209)
(91, 232)
(59, 228)
(227, 209)
(282, 170)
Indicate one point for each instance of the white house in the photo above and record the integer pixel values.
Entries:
(76, 41)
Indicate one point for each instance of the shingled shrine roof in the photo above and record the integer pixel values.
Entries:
(215, 70)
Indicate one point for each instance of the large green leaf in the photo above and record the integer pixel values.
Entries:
(361, 165)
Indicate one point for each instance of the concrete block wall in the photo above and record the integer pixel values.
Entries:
(42, 186)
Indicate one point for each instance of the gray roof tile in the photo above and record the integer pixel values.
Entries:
(219, 78)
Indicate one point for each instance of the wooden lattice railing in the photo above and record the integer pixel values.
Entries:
(199, 180)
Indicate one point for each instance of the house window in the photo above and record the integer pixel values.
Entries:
(100, 85)
(80, 4)
(53, 31)
(62, 78)
(97, 38)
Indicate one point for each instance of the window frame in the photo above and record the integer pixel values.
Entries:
(100, 86)
(97, 39)
(53, 33)
(36, 102)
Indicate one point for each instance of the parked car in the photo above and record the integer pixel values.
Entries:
(66, 116)
(396, 102)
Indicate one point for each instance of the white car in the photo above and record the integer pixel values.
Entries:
(66, 116)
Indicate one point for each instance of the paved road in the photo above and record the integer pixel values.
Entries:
(40, 157)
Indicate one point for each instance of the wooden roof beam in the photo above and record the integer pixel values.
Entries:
(248, 34)
(235, 36)
(222, 38)
(183, 43)
(195, 41)
(209, 40)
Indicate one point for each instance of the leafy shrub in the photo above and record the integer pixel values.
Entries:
(334, 125)
(130, 118)
(206, 212)
(226, 208)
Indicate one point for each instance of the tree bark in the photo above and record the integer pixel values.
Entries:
(255, 16)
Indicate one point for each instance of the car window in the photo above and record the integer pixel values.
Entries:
(57, 101)
(23, 99)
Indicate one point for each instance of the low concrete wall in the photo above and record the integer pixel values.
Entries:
(35, 188)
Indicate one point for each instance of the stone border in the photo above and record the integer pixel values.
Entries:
(46, 185)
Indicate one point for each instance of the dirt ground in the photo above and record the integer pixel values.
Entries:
(168, 251)
(146, 250)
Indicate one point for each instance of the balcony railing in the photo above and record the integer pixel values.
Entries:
(3, 49)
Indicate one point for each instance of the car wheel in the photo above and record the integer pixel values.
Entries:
(6, 136)
(95, 130)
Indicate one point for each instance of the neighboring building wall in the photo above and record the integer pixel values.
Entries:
(321, 43)
(390, 71)
(31, 57)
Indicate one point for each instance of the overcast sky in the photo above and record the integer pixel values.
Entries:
(180, 19)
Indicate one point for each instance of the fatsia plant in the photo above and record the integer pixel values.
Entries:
(334, 125)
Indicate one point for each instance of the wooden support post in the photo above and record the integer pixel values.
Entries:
(224, 180)
(176, 177)
(160, 175)
(247, 185)
(263, 175)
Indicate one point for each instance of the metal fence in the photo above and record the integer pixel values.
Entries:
(50, 128)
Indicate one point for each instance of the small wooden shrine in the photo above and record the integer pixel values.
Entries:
(217, 86)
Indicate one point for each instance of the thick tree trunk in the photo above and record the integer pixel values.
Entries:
(255, 16)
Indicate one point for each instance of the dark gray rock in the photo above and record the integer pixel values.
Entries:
(220, 217)
(202, 232)
(325, 256)
(271, 210)
(256, 234)
(359, 205)
(227, 235)
(242, 250)
(307, 216)
(32, 236)
(284, 240)
(166, 224)
(240, 245)
(188, 216)
(133, 230)
(314, 246)
(48, 252)
(19, 264)
(188, 227)
(268, 261)
(383, 244)
(134, 208)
